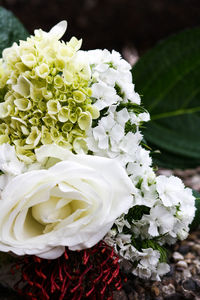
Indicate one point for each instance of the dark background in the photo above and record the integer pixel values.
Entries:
(113, 24)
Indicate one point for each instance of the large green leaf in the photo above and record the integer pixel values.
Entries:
(168, 78)
(170, 160)
(11, 30)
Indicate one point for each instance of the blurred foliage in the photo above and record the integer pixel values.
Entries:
(11, 29)
(168, 78)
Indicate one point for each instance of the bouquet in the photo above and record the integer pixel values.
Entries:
(78, 190)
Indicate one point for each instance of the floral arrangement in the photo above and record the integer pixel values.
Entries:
(78, 190)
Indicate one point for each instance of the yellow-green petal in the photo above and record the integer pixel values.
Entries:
(63, 114)
(80, 146)
(85, 121)
(53, 106)
(23, 104)
(4, 138)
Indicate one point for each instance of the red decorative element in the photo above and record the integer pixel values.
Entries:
(91, 274)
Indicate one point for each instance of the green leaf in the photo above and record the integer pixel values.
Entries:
(168, 78)
(169, 160)
(11, 30)
(136, 212)
(196, 221)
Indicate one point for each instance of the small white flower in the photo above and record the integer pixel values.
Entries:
(140, 118)
(162, 218)
(127, 89)
(149, 265)
(162, 269)
(169, 189)
(121, 222)
(105, 95)
(122, 116)
(151, 257)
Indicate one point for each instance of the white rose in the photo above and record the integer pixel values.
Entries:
(72, 203)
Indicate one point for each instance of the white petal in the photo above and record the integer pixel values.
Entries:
(59, 29)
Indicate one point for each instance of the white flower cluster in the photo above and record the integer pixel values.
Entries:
(171, 214)
(169, 206)
(112, 79)
(112, 86)
(148, 260)
(85, 103)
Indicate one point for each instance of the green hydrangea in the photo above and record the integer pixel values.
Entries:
(45, 88)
